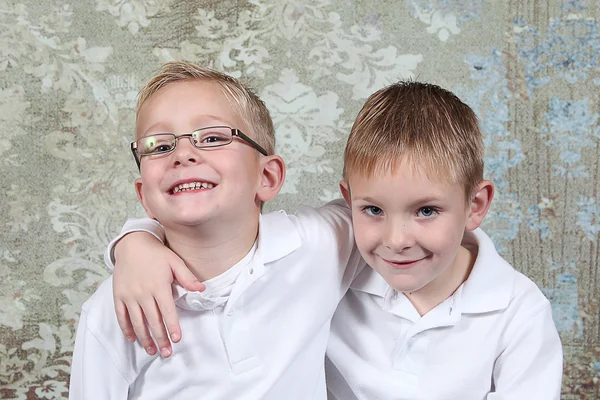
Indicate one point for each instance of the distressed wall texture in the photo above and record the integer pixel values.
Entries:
(70, 71)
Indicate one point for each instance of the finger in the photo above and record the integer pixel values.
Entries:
(124, 321)
(141, 329)
(185, 277)
(157, 327)
(166, 306)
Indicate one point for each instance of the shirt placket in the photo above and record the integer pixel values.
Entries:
(414, 340)
(236, 329)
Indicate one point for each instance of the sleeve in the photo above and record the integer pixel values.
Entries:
(339, 216)
(94, 376)
(530, 367)
(148, 225)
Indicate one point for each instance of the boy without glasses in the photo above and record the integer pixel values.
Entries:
(440, 315)
(204, 146)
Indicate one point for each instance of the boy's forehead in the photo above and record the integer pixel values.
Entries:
(402, 179)
(407, 169)
(403, 188)
(197, 102)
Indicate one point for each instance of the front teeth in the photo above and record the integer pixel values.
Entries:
(192, 186)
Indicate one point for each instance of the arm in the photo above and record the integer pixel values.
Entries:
(93, 373)
(341, 221)
(144, 272)
(150, 226)
(531, 364)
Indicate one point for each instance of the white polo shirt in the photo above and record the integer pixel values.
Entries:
(266, 341)
(493, 339)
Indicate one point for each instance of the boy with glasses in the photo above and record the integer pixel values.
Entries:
(204, 145)
(439, 315)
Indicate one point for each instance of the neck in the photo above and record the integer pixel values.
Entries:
(444, 286)
(210, 249)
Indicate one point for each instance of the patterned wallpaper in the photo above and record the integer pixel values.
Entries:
(70, 71)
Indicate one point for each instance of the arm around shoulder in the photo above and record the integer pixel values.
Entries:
(338, 220)
(530, 366)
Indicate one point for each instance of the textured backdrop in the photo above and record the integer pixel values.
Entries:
(70, 72)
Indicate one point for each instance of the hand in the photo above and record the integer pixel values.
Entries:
(143, 275)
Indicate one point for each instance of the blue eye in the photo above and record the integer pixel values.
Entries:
(373, 211)
(427, 212)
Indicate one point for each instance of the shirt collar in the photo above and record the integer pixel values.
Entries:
(277, 237)
(491, 282)
(371, 282)
(488, 288)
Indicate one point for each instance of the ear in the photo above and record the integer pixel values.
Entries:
(480, 204)
(272, 177)
(345, 189)
(140, 194)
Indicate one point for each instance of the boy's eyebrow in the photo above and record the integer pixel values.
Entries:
(365, 199)
(420, 200)
(151, 128)
(426, 199)
(200, 124)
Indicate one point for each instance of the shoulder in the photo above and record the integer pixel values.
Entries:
(527, 305)
(494, 284)
(331, 223)
(101, 317)
(100, 305)
(527, 301)
(102, 324)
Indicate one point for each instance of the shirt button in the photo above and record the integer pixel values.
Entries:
(196, 304)
(230, 312)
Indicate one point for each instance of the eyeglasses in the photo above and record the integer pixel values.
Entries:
(212, 136)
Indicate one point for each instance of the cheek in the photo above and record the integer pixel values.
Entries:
(446, 232)
(443, 242)
(244, 169)
(365, 235)
(149, 182)
(152, 169)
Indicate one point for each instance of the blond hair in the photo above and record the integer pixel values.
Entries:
(421, 124)
(251, 109)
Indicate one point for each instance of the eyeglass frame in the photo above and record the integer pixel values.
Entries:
(234, 132)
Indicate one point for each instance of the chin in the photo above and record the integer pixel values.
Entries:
(189, 221)
(403, 284)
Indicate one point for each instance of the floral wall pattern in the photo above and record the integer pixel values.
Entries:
(69, 76)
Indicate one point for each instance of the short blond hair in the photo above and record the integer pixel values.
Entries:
(421, 124)
(251, 109)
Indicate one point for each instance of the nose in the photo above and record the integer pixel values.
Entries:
(398, 235)
(185, 153)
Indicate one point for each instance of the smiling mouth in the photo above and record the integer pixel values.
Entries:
(191, 186)
(403, 264)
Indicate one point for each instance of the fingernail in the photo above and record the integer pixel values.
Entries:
(175, 337)
(130, 339)
(150, 350)
(165, 352)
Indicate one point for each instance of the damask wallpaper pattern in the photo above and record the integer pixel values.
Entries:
(69, 75)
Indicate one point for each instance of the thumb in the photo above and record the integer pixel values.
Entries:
(184, 276)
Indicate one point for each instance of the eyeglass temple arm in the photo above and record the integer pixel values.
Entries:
(135, 155)
(252, 142)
